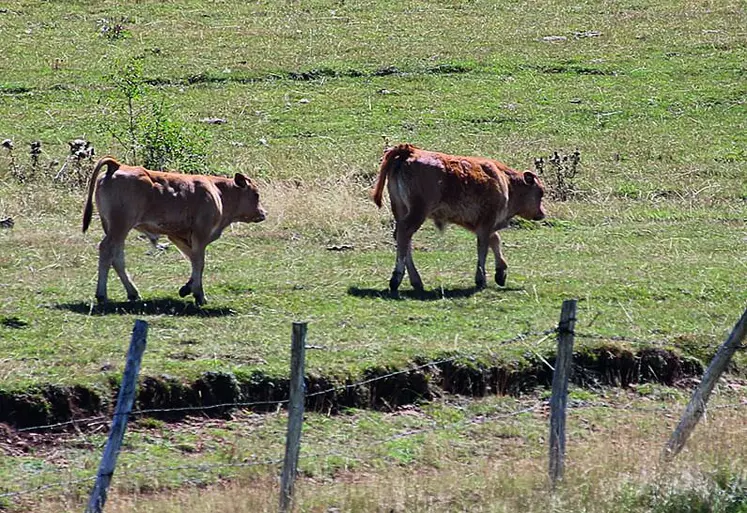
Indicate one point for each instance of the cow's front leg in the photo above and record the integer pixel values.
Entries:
(186, 249)
(500, 263)
(198, 265)
(482, 253)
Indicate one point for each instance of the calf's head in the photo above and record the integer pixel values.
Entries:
(249, 209)
(529, 197)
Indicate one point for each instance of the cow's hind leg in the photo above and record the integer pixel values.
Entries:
(111, 253)
(119, 267)
(405, 229)
(500, 263)
(106, 256)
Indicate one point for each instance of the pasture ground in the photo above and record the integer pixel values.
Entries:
(452, 454)
(654, 242)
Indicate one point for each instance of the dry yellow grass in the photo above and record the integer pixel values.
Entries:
(613, 458)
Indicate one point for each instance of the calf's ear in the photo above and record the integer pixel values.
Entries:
(241, 180)
(530, 178)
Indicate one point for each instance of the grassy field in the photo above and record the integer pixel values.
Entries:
(653, 244)
(448, 455)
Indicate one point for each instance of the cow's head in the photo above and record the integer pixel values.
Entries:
(249, 209)
(530, 193)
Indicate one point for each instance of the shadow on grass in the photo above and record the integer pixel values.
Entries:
(426, 295)
(158, 306)
(13, 322)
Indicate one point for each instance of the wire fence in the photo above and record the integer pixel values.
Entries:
(520, 338)
(351, 452)
(355, 452)
(103, 419)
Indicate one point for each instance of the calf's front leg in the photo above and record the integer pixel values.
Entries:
(186, 250)
(195, 281)
(500, 263)
(482, 253)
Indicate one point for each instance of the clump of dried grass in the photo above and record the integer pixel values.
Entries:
(335, 210)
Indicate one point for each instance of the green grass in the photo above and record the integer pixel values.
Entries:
(653, 244)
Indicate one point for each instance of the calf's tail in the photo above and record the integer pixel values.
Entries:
(112, 165)
(392, 158)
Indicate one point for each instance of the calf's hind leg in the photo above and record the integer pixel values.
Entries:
(119, 267)
(406, 228)
(111, 253)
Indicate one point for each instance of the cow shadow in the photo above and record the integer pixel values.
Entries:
(425, 295)
(157, 306)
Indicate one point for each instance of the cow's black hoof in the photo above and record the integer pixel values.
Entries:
(394, 282)
(185, 291)
(393, 293)
(101, 300)
(480, 283)
(500, 277)
(133, 297)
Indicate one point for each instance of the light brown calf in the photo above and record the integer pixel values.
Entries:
(477, 193)
(191, 210)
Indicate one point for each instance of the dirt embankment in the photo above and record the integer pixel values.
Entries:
(216, 393)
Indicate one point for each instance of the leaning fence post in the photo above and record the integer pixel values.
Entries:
(559, 398)
(125, 400)
(295, 416)
(697, 404)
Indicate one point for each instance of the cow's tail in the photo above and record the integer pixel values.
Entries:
(111, 166)
(392, 159)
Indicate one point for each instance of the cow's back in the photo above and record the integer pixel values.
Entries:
(158, 202)
(468, 191)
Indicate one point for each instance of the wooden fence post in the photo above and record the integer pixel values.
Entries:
(295, 416)
(559, 398)
(122, 411)
(697, 404)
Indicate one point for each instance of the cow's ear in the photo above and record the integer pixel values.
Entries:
(241, 180)
(530, 178)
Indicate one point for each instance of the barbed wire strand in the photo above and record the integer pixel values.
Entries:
(249, 404)
(58, 484)
(204, 467)
(478, 420)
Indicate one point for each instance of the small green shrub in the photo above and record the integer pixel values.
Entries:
(166, 142)
(147, 128)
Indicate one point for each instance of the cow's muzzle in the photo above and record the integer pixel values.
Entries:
(261, 216)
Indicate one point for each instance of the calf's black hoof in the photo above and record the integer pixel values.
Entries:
(500, 277)
(185, 291)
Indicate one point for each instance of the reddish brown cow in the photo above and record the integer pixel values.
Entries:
(191, 210)
(474, 192)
